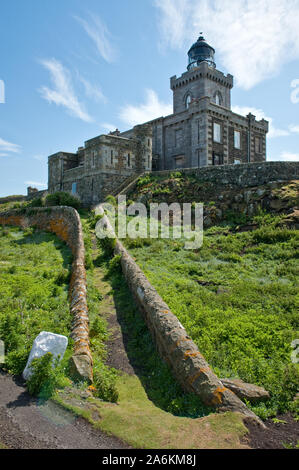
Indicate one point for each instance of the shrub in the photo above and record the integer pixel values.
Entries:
(176, 174)
(271, 235)
(143, 181)
(36, 202)
(43, 375)
(63, 277)
(62, 199)
(15, 361)
(139, 242)
(235, 218)
(97, 327)
(111, 200)
(45, 378)
(114, 264)
(108, 245)
(93, 219)
(105, 382)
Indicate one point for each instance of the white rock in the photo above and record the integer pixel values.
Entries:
(45, 342)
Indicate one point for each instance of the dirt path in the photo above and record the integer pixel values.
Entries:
(27, 424)
(116, 351)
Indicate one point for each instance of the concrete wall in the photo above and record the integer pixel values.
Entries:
(65, 223)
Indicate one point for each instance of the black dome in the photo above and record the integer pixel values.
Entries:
(201, 51)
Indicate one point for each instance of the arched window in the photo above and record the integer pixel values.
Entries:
(188, 101)
(218, 98)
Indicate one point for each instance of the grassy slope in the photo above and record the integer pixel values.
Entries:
(142, 424)
(237, 296)
(151, 410)
(34, 275)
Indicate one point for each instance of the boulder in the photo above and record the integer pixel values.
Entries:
(44, 343)
(250, 392)
(81, 368)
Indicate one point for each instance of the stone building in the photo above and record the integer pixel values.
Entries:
(102, 165)
(203, 130)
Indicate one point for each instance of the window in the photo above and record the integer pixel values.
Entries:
(237, 139)
(148, 142)
(258, 145)
(217, 159)
(188, 101)
(237, 162)
(94, 153)
(218, 98)
(217, 132)
(74, 188)
(111, 157)
(129, 159)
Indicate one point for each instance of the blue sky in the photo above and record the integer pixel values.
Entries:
(74, 69)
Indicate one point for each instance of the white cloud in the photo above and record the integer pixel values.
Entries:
(8, 147)
(92, 91)
(253, 38)
(286, 157)
(63, 93)
(40, 158)
(152, 108)
(295, 93)
(259, 114)
(108, 127)
(98, 32)
(36, 183)
(294, 128)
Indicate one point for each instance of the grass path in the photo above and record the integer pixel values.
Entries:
(138, 417)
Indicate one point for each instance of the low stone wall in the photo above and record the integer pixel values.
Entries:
(65, 223)
(172, 341)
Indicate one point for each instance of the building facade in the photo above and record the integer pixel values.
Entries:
(102, 165)
(203, 130)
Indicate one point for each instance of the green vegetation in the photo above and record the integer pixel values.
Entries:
(142, 424)
(46, 379)
(104, 377)
(237, 296)
(154, 374)
(59, 198)
(62, 199)
(34, 277)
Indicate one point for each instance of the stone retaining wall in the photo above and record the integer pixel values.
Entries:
(172, 341)
(65, 223)
(245, 175)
